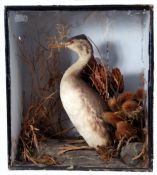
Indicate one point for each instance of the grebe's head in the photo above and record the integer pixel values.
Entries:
(80, 44)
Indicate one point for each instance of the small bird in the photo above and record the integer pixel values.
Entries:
(82, 104)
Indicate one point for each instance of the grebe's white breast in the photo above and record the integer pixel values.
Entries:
(84, 108)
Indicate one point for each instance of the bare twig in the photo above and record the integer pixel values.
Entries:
(73, 148)
(62, 132)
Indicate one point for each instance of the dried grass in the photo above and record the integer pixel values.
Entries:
(41, 117)
(106, 153)
(72, 148)
(125, 109)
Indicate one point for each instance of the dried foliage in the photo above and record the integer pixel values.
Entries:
(73, 148)
(36, 127)
(124, 97)
(144, 152)
(111, 118)
(46, 159)
(42, 112)
(124, 129)
(106, 153)
(117, 80)
(106, 82)
(97, 76)
(125, 109)
(112, 104)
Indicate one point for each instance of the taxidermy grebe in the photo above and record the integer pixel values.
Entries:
(82, 104)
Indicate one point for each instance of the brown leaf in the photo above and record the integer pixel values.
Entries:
(112, 104)
(124, 129)
(124, 97)
(129, 106)
(97, 76)
(117, 80)
(140, 94)
(111, 118)
(132, 109)
(105, 82)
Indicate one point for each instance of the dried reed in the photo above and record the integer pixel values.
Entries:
(42, 114)
(125, 109)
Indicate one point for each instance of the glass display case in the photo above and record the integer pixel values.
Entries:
(40, 133)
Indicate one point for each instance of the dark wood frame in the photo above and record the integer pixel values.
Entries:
(150, 78)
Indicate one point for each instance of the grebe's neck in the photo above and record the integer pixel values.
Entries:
(76, 68)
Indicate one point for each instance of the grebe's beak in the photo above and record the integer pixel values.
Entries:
(61, 45)
(54, 46)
